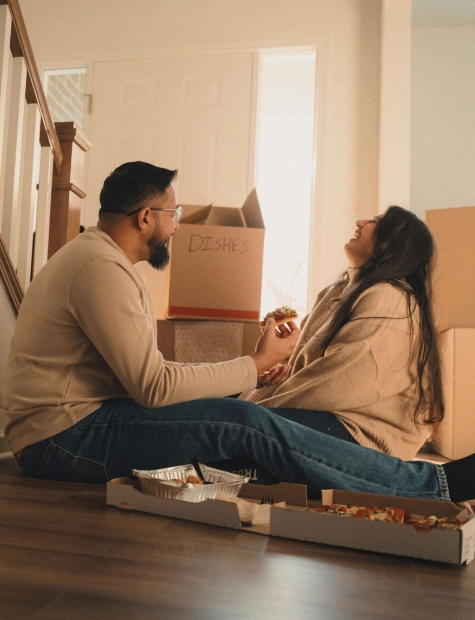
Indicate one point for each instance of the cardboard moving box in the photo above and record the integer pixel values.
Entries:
(296, 521)
(456, 435)
(216, 263)
(168, 330)
(454, 294)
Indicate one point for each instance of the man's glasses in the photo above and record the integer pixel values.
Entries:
(177, 213)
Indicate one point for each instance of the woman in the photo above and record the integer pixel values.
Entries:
(366, 366)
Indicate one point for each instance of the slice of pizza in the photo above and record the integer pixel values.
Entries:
(394, 515)
(372, 513)
(428, 523)
(281, 315)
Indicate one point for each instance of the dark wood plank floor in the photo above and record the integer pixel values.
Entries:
(64, 554)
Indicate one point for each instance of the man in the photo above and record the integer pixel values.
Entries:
(86, 332)
(88, 396)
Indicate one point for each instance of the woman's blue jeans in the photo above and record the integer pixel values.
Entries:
(121, 436)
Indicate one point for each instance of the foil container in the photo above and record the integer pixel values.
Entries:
(157, 482)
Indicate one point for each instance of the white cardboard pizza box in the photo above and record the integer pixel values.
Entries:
(126, 494)
(297, 522)
(453, 547)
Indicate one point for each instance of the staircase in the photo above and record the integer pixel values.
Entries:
(41, 176)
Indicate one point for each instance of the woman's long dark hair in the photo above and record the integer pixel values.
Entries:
(403, 255)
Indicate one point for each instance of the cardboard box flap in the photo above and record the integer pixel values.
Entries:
(225, 216)
(468, 545)
(248, 216)
(193, 214)
(251, 210)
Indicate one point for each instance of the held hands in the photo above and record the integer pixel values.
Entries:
(274, 376)
(276, 344)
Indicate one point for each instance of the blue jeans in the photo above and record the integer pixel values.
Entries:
(121, 436)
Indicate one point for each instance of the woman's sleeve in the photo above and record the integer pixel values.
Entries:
(349, 373)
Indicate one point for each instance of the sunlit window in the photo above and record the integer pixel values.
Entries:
(64, 90)
(285, 173)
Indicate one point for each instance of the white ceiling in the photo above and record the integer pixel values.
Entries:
(439, 13)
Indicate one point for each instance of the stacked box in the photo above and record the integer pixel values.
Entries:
(454, 295)
(169, 330)
(456, 436)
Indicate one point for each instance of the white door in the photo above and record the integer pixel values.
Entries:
(190, 112)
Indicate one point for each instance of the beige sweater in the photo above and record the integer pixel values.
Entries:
(366, 376)
(86, 333)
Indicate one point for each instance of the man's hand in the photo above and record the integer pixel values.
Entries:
(275, 345)
(274, 376)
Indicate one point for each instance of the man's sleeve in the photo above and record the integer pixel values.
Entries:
(107, 303)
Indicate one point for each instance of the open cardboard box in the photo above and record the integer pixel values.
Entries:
(216, 263)
(296, 521)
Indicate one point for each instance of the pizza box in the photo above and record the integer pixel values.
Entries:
(297, 520)
(126, 494)
(216, 263)
(449, 546)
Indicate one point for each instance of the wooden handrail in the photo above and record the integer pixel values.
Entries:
(10, 279)
(20, 46)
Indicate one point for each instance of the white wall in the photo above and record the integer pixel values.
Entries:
(349, 35)
(443, 118)
(348, 32)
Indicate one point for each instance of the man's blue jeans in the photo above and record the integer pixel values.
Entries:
(121, 436)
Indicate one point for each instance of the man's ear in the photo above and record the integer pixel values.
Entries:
(143, 219)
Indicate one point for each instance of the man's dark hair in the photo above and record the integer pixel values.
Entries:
(133, 183)
(403, 255)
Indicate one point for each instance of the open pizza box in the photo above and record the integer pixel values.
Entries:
(292, 516)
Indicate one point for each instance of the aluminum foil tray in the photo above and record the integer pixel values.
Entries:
(154, 482)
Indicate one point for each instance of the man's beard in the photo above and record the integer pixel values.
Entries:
(159, 254)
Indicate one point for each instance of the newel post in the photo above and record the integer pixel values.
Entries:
(67, 189)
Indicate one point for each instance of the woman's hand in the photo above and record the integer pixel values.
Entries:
(274, 376)
(275, 345)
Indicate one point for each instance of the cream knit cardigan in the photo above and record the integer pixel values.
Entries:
(366, 376)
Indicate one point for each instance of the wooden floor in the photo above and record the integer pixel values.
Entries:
(65, 555)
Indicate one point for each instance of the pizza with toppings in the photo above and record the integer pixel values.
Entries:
(372, 513)
(429, 523)
(393, 515)
(281, 315)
